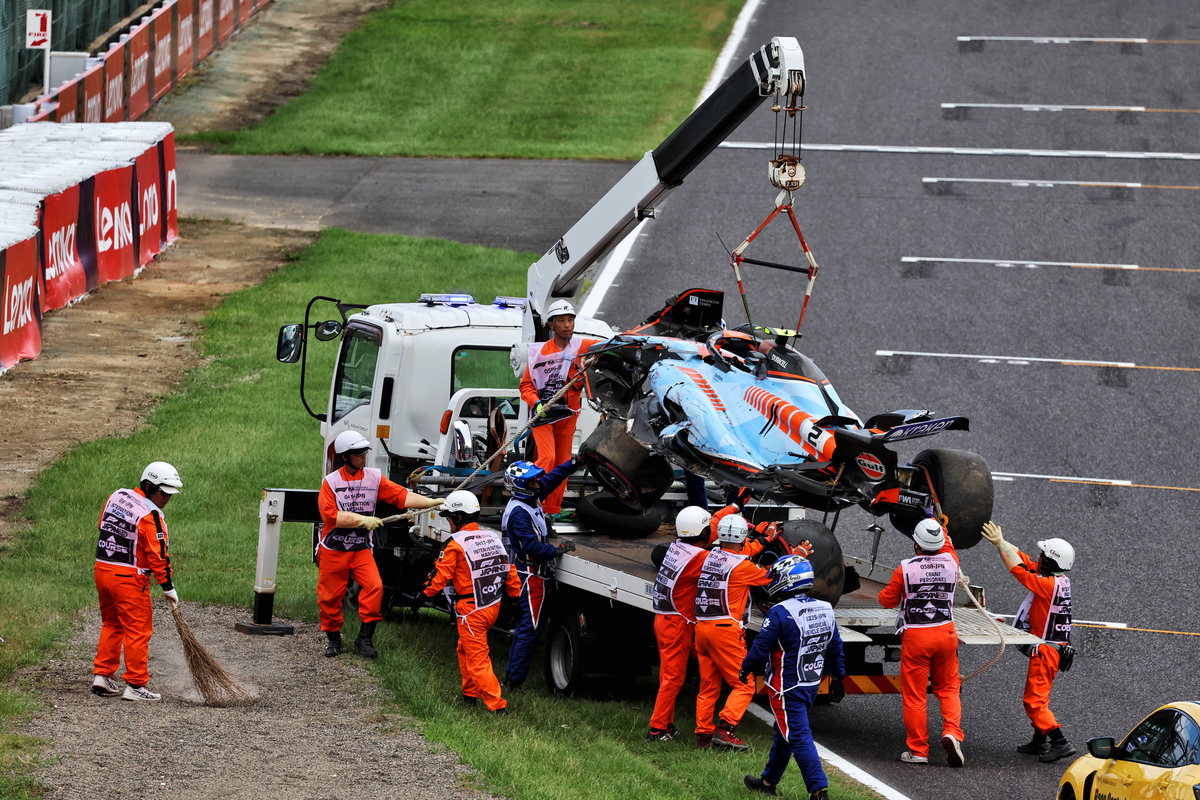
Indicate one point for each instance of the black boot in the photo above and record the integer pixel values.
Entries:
(1059, 747)
(334, 644)
(363, 643)
(1037, 745)
(757, 784)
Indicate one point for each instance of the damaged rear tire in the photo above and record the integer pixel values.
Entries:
(963, 484)
(634, 475)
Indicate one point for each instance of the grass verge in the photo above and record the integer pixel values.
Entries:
(503, 78)
(237, 426)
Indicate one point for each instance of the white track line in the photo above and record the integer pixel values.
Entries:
(1054, 39)
(830, 757)
(1043, 107)
(1021, 360)
(1009, 262)
(973, 151)
(1075, 39)
(612, 268)
(1024, 182)
(616, 260)
(729, 50)
(1101, 481)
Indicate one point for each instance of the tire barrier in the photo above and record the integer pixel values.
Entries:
(80, 205)
(144, 64)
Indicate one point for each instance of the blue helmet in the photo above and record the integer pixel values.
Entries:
(789, 575)
(519, 476)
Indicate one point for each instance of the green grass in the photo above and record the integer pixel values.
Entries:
(503, 78)
(236, 426)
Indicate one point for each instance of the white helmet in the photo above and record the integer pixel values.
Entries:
(460, 502)
(929, 535)
(559, 307)
(692, 522)
(732, 529)
(350, 440)
(1060, 552)
(164, 476)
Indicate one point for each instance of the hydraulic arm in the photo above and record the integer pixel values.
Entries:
(774, 69)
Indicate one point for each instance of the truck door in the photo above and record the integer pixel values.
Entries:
(354, 399)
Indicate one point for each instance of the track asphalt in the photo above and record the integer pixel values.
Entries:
(878, 75)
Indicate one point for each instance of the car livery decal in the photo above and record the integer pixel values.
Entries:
(871, 466)
(797, 425)
(704, 387)
(915, 429)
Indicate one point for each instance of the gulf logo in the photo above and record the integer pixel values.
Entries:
(871, 466)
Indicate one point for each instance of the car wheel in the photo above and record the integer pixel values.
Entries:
(1066, 792)
(634, 475)
(829, 567)
(564, 656)
(605, 514)
(963, 484)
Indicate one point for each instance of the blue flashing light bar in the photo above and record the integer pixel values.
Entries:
(509, 302)
(447, 299)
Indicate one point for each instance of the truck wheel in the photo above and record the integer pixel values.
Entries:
(963, 484)
(605, 514)
(564, 655)
(634, 475)
(829, 568)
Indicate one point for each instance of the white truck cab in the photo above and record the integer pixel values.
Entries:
(405, 372)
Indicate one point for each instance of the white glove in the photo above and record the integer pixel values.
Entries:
(991, 532)
(370, 523)
(172, 596)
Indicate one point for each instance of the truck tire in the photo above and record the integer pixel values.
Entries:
(829, 567)
(564, 655)
(605, 514)
(634, 475)
(963, 484)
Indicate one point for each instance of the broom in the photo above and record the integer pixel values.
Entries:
(214, 683)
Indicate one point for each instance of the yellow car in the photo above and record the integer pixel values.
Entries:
(1160, 758)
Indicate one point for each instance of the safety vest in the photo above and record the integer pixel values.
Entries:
(678, 556)
(524, 564)
(357, 496)
(118, 539)
(712, 588)
(814, 620)
(488, 564)
(928, 591)
(1057, 629)
(549, 372)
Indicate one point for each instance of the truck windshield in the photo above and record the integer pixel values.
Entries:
(481, 368)
(356, 369)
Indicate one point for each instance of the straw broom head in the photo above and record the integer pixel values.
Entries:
(214, 683)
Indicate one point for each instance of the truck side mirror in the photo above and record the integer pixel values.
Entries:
(327, 330)
(1101, 747)
(291, 338)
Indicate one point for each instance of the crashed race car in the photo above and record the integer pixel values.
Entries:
(744, 408)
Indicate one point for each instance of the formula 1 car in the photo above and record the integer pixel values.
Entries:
(746, 409)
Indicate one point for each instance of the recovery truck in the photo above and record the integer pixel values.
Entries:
(433, 386)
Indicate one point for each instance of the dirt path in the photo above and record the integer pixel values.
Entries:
(107, 359)
(315, 729)
(264, 65)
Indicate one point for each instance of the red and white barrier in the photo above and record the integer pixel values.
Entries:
(80, 205)
(140, 68)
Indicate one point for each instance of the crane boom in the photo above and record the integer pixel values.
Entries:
(776, 68)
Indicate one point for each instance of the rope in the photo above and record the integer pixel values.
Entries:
(584, 365)
(963, 582)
